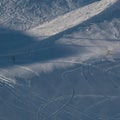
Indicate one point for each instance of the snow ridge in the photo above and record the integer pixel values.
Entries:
(71, 19)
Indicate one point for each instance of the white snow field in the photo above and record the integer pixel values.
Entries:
(71, 19)
(26, 14)
(72, 75)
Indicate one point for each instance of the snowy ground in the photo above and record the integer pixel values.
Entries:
(71, 19)
(66, 76)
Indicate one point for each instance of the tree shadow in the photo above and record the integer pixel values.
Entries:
(19, 48)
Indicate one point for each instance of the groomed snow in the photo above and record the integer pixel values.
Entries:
(71, 19)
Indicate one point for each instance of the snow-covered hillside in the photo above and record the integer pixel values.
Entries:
(71, 19)
(25, 14)
(71, 74)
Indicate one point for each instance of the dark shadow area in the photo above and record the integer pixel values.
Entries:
(19, 48)
(11, 40)
(49, 96)
(95, 93)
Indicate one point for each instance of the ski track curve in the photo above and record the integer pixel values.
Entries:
(28, 69)
(52, 30)
(65, 74)
(54, 100)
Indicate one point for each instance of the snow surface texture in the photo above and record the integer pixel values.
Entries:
(25, 14)
(71, 19)
(70, 75)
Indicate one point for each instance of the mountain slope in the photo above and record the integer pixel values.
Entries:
(71, 75)
(71, 19)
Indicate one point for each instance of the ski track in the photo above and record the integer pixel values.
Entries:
(54, 100)
(70, 109)
(14, 93)
(51, 28)
(62, 107)
(7, 80)
(73, 108)
(63, 76)
(106, 97)
(20, 98)
(97, 103)
(106, 71)
(112, 67)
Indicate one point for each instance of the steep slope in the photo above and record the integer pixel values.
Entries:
(102, 39)
(70, 75)
(24, 14)
(71, 19)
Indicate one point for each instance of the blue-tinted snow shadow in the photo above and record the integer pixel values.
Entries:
(11, 40)
(108, 14)
(21, 104)
(19, 48)
(16, 47)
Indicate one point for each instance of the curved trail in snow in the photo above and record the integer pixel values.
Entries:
(69, 99)
(105, 97)
(64, 75)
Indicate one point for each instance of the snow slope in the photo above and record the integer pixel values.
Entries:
(68, 76)
(26, 14)
(71, 19)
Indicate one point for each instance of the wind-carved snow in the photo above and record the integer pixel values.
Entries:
(71, 19)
